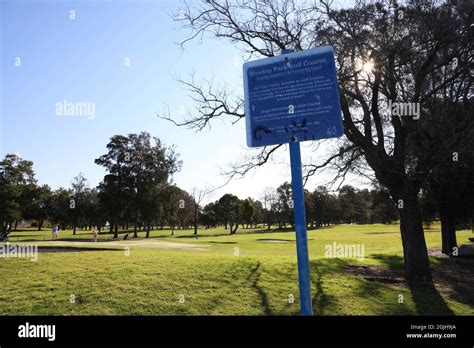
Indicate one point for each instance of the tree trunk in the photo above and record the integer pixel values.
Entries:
(417, 266)
(116, 231)
(74, 229)
(135, 230)
(147, 231)
(448, 232)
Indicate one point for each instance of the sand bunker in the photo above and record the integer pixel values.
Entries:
(65, 249)
(270, 240)
(120, 245)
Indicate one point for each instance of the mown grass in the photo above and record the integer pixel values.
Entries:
(251, 273)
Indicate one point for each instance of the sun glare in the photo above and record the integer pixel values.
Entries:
(364, 66)
(368, 66)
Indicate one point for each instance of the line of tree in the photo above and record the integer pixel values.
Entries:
(322, 209)
(137, 192)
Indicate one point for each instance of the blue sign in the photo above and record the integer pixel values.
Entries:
(293, 97)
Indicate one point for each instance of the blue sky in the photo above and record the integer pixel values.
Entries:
(83, 60)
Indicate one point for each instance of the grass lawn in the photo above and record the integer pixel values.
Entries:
(251, 273)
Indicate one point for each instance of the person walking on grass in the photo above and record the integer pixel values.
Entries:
(95, 234)
(55, 232)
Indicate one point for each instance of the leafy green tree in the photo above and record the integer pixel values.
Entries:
(78, 202)
(93, 211)
(247, 211)
(209, 216)
(230, 211)
(10, 206)
(450, 183)
(35, 201)
(382, 206)
(115, 190)
(16, 180)
(150, 205)
(327, 209)
(258, 215)
(138, 166)
(60, 208)
(151, 166)
(189, 210)
(347, 201)
(285, 204)
(171, 202)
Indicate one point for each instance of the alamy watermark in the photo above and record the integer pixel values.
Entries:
(37, 331)
(69, 108)
(347, 251)
(404, 109)
(26, 251)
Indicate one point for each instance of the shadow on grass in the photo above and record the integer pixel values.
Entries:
(243, 232)
(239, 232)
(214, 242)
(455, 276)
(428, 301)
(392, 262)
(426, 297)
(246, 231)
(322, 302)
(203, 234)
(21, 235)
(254, 278)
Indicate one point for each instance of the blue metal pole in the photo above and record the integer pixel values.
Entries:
(300, 224)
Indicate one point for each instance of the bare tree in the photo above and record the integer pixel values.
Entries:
(386, 54)
(198, 196)
(80, 188)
